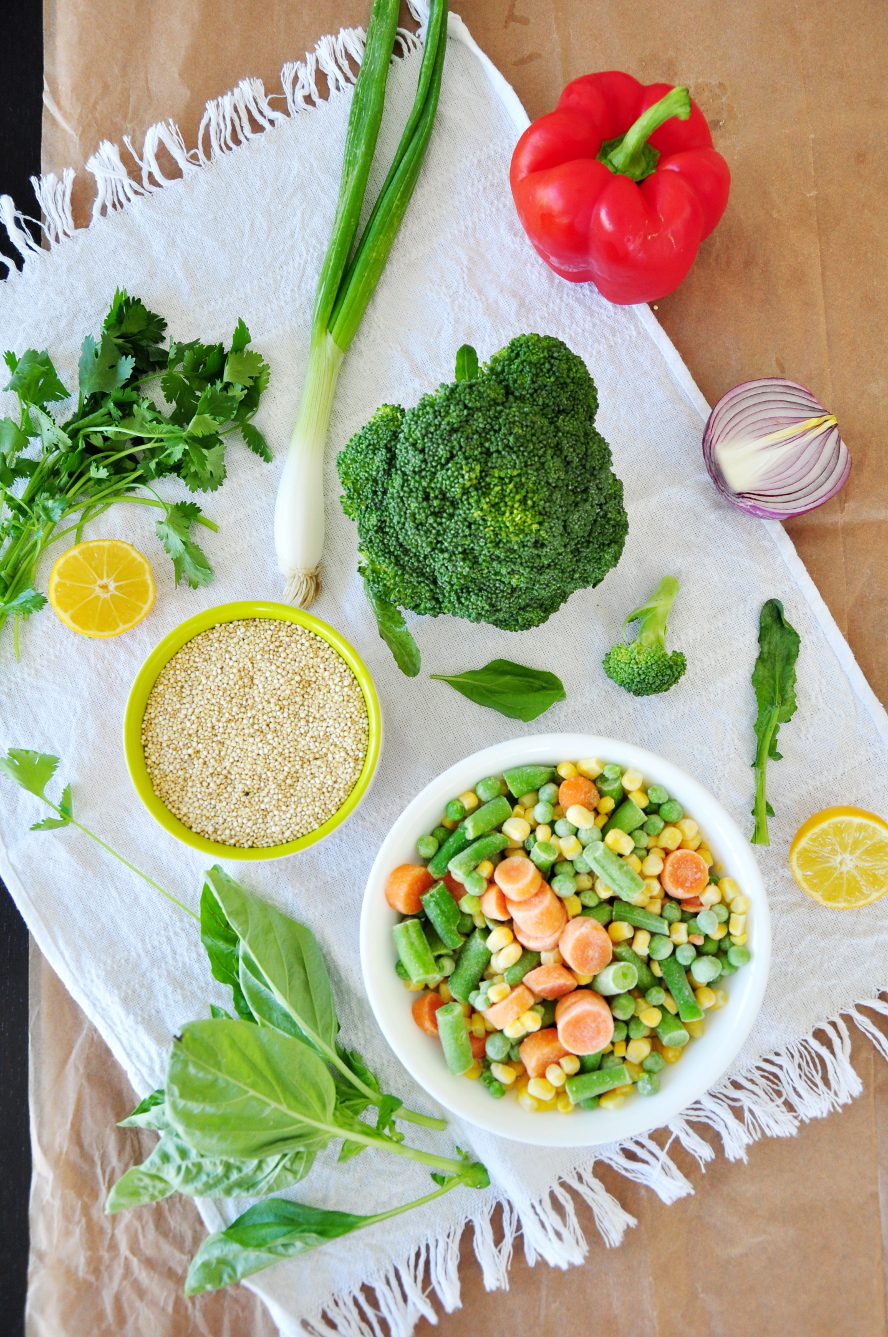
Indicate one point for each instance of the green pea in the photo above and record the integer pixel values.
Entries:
(543, 813)
(612, 771)
(455, 810)
(515, 1053)
(660, 947)
(657, 794)
(621, 1030)
(565, 828)
(441, 834)
(548, 794)
(489, 788)
(672, 811)
(707, 921)
(739, 956)
(470, 905)
(637, 1029)
(654, 1063)
(426, 847)
(580, 865)
(705, 969)
(671, 912)
(564, 866)
(623, 1006)
(655, 996)
(648, 1084)
(653, 826)
(590, 898)
(722, 913)
(497, 1047)
(496, 1089)
(686, 953)
(563, 886)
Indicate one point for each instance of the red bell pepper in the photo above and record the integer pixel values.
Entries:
(619, 185)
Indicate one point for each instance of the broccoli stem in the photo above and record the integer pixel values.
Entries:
(653, 614)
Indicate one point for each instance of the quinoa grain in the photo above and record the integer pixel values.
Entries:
(255, 732)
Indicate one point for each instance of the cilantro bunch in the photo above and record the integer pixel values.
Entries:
(56, 477)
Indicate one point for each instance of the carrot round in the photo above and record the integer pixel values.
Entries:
(585, 945)
(405, 885)
(684, 874)
(477, 1044)
(550, 981)
(510, 1009)
(424, 1009)
(584, 1022)
(493, 904)
(518, 877)
(456, 889)
(546, 943)
(540, 1049)
(542, 914)
(578, 790)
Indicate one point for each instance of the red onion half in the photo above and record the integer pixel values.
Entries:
(773, 450)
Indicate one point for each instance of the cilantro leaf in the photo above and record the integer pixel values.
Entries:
(23, 605)
(202, 467)
(240, 338)
(256, 441)
(174, 532)
(243, 368)
(139, 331)
(101, 367)
(34, 378)
(12, 438)
(30, 770)
(66, 808)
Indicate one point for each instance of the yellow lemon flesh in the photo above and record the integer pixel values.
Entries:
(101, 587)
(840, 857)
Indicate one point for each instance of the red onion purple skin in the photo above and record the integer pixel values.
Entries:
(783, 403)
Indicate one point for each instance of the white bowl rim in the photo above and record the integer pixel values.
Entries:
(705, 1060)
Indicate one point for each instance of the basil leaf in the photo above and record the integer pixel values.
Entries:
(240, 1091)
(221, 944)
(773, 679)
(514, 690)
(393, 630)
(264, 1234)
(149, 1113)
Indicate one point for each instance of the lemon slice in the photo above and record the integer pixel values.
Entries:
(101, 587)
(840, 857)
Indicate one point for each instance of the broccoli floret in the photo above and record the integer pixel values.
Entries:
(643, 667)
(493, 499)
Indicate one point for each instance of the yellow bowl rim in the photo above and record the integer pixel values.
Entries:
(160, 657)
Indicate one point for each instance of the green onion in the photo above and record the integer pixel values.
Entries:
(348, 279)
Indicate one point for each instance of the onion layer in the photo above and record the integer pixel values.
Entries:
(773, 450)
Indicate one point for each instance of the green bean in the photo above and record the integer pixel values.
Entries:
(585, 1084)
(627, 817)
(454, 1036)
(488, 816)
(521, 779)
(646, 977)
(639, 918)
(611, 869)
(443, 913)
(455, 843)
(671, 1032)
(603, 912)
(472, 963)
(414, 951)
(526, 962)
(590, 1062)
(618, 977)
(468, 859)
(676, 982)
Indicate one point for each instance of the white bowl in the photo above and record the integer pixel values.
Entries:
(703, 1061)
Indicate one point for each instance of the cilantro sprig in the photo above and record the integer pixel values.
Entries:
(57, 476)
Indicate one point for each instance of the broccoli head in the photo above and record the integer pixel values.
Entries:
(643, 667)
(493, 499)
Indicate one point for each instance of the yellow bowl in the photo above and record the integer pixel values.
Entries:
(163, 653)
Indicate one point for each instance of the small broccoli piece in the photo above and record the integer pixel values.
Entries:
(643, 667)
(493, 498)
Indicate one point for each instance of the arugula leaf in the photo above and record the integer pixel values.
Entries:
(393, 630)
(102, 368)
(514, 690)
(34, 378)
(24, 604)
(773, 679)
(30, 770)
(174, 532)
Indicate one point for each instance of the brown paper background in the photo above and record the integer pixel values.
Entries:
(793, 282)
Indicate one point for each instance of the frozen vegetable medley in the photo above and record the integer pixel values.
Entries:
(566, 933)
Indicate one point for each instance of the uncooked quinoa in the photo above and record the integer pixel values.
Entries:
(255, 732)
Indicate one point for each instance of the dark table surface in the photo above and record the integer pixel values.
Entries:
(21, 84)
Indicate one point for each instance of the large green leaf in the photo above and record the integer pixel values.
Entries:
(221, 944)
(241, 1091)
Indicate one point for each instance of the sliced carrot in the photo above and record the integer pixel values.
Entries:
(477, 1044)
(546, 943)
(424, 1009)
(540, 1049)
(456, 889)
(684, 874)
(510, 1009)
(405, 885)
(541, 914)
(692, 903)
(578, 790)
(519, 878)
(550, 981)
(585, 945)
(586, 1025)
(493, 904)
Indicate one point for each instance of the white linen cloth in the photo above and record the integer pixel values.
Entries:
(243, 234)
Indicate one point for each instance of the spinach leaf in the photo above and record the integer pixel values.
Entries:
(774, 679)
(514, 690)
(240, 1091)
(393, 630)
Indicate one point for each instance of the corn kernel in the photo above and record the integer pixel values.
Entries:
(729, 889)
(613, 1100)
(557, 811)
(602, 889)
(479, 921)
(570, 847)
(527, 1102)
(719, 932)
(531, 1021)
(608, 1049)
(580, 817)
(540, 1088)
(485, 868)
(500, 937)
(499, 992)
(705, 854)
(651, 1016)
(620, 1048)
(522, 1079)
(638, 1050)
(584, 881)
(474, 1071)
(503, 1073)
(632, 779)
(655, 904)
(669, 838)
(635, 1070)
(488, 1025)
(705, 996)
(516, 828)
(640, 797)
(411, 987)
(573, 905)
(544, 832)
(711, 896)
(469, 800)
(742, 908)
(689, 843)
(449, 824)
(570, 1064)
(695, 1029)
(564, 1104)
(633, 861)
(566, 769)
(551, 958)
(655, 969)
(670, 1004)
(476, 1025)
(444, 991)
(507, 956)
(652, 866)
(619, 842)
(605, 804)
(641, 942)
(688, 827)
(466, 1009)
(515, 1031)
(555, 1075)
(721, 998)
(670, 1054)
(590, 767)
(582, 980)
(601, 820)
(736, 924)
(620, 932)
(678, 933)
(520, 812)
(738, 939)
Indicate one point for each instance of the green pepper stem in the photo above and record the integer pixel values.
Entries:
(628, 157)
